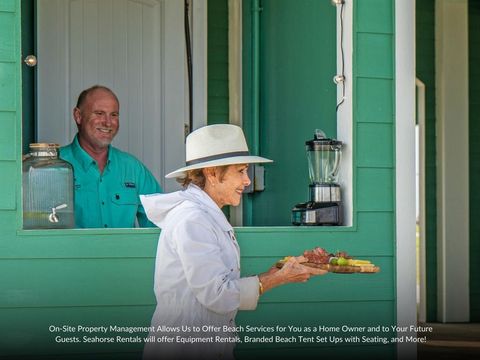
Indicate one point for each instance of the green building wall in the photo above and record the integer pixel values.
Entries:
(218, 106)
(9, 87)
(425, 70)
(474, 155)
(104, 277)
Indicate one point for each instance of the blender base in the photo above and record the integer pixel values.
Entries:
(317, 213)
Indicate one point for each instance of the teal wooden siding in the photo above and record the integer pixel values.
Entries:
(9, 115)
(105, 277)
(374, 165)
(218, 108)
(56, 278)
(332, 300)
(474, 155)
(425, 68)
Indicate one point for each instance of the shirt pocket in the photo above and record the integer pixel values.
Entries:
(125, 197)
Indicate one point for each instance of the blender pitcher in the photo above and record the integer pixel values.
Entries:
(323, 157)
(325, 206)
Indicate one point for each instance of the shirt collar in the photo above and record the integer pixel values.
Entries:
(85, 160)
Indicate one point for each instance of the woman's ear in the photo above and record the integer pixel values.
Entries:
(210, 175)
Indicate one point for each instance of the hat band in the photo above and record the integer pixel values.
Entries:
(217, 156)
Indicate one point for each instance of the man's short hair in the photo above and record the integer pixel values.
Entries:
(83, 95)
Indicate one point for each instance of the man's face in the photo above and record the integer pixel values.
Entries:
(97, 120)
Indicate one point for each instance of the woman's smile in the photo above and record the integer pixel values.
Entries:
(228, 190)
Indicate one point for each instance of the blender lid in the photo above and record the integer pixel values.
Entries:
(320, 139)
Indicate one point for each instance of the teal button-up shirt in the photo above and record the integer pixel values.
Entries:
(110, 199)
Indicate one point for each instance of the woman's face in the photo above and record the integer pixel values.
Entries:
(229, 190)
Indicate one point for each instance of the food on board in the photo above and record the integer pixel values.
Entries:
(339, 262)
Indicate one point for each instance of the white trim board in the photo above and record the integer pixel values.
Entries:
(405, 171)
(422, 289)
(345, 112)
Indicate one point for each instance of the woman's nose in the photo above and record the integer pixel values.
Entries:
(246, 180)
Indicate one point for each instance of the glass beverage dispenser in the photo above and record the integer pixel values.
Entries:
(324, 207)
(47, 181)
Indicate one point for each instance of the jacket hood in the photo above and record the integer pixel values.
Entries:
(158, 206)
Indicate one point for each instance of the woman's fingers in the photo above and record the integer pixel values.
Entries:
(301, 259)
(293, 271)
(316, 271)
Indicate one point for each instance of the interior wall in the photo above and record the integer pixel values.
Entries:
(297, 95)
(83, 43)
(28, 75)
(218, 82)
(218, 105)
(134, 47)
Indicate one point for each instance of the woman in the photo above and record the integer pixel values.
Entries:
(197, 271)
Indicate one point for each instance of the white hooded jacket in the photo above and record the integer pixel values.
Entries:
(197, 276)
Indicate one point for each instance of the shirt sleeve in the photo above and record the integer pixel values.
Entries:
(208, 276)
(148, 185)
(249, 293)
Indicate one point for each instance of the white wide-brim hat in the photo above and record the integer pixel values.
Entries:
(216, 145)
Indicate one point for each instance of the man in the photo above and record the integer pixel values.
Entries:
(108, 181)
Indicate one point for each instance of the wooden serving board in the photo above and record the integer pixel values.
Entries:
(340, 269)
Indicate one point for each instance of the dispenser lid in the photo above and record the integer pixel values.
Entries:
(44, 145)
(321, 142)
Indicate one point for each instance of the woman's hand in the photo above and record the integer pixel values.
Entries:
(292, 271)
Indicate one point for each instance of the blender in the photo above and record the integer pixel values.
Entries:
(325, 206)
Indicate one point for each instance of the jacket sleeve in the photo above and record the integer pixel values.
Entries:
(148, 185)
(210, 279)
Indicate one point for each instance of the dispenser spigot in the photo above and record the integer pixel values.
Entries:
(53, 217)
